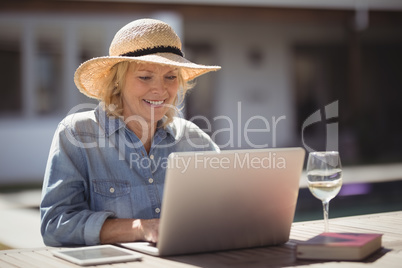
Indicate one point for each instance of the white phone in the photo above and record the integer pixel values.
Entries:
(93, 255)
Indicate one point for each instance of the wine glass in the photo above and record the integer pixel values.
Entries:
(324, 176)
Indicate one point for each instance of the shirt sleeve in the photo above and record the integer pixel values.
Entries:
(65, 215)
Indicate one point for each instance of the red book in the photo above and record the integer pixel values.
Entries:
(339, 246)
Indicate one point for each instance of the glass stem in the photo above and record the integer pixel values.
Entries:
(325, 206)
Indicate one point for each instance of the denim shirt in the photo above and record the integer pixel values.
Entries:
(98, 169)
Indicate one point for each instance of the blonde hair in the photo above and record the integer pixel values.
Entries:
(111, 87)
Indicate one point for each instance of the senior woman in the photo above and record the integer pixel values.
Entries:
(106, 168)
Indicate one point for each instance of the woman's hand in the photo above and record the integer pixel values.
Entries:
(129, 230)
(149, 229)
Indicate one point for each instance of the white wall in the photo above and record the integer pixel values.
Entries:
(24, 149)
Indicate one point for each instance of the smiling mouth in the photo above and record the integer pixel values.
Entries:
(154, 102)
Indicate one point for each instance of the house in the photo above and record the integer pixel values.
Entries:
(318, 74)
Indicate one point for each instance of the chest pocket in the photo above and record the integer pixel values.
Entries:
(109, 188)
(112, 196)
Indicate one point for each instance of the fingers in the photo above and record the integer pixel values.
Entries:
(150, 229)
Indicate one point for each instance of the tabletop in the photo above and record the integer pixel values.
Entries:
(389, 224)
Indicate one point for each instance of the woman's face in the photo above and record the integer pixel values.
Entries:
(149, 91)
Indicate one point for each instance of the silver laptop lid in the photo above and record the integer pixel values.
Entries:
(228, 200)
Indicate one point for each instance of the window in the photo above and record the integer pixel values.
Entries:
(11, 99)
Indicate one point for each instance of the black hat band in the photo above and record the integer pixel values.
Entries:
(153, 50)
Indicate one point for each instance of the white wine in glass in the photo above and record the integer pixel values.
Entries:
(324, 175)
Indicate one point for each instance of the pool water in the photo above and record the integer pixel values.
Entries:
(353, 199)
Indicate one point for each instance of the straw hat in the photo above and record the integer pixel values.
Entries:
(146, 41)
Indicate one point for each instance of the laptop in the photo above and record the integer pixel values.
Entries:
(228, 200)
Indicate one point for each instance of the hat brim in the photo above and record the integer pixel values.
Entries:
(98, 68)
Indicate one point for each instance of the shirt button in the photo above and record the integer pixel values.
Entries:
(157, 210)
(151, 156)
(111, 190)
(150, 180)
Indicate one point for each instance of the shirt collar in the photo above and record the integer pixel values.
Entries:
(168, 129)
(162, 133)
(111, 124)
